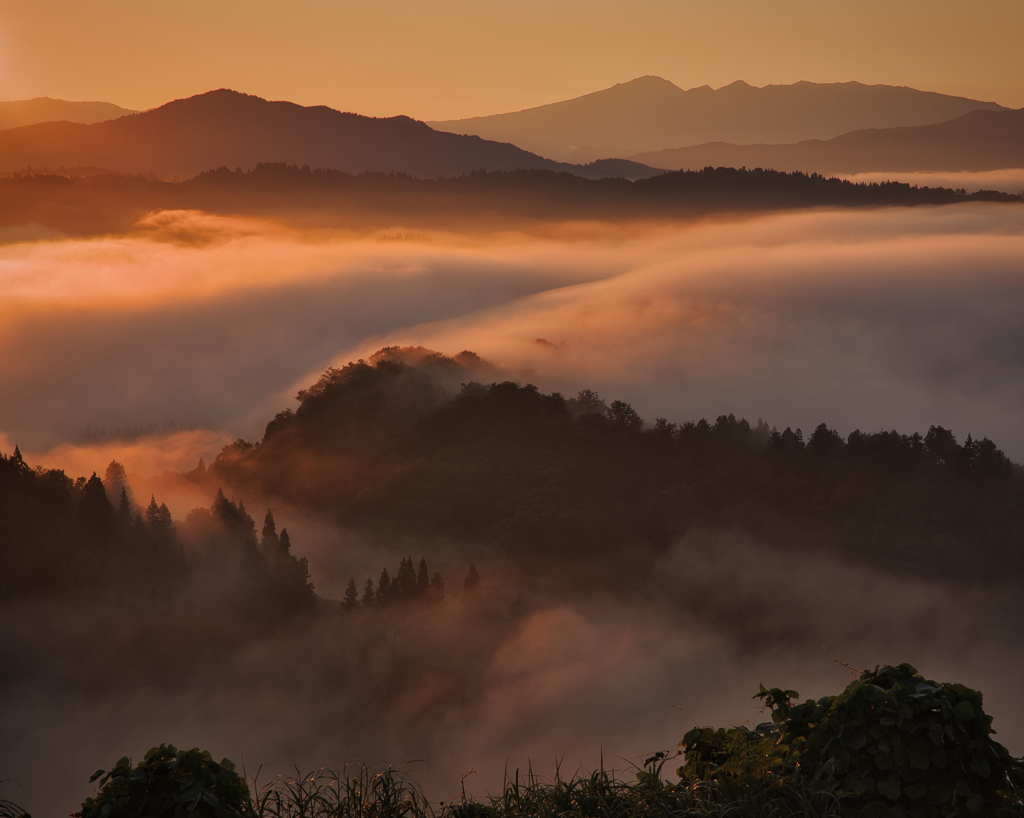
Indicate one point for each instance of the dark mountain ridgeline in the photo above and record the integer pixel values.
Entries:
(112, 203)
(539, 476)
(650, 113)
(19, 113)
(188, 136)
(978, 141)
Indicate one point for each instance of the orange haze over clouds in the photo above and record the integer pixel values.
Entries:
(455, 58)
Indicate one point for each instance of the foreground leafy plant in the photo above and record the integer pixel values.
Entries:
(892, 743)
(169, 783)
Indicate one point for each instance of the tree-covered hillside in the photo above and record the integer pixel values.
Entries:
(385, 448)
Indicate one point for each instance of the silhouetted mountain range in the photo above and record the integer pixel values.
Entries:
(43, 109)
(980, 140)
(650, 113)
(227, 128)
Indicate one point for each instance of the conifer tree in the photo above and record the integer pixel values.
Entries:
(270, 543)
(471, 585)
(368, 597)
(351, 601)
(285, 543)
(384, 588)
(124, 510)
(152, 513)
(422, 578)
(405, 581)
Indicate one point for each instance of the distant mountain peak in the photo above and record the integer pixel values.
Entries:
(22, 112)
(646, 79)
(650, 113)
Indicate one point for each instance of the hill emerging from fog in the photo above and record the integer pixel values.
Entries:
(395, 446)
(650, 113)
(84, 204)
(18, 113)
(227, 128)
(978, 141)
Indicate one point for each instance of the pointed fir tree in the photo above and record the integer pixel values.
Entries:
(270, 543)
(285, 543)
(351, 601)
(124, 511)
(95, 509)
(471, 585)
(405, 581)
(152, 514)
(368, 597)
(422, 578)
(384, 588)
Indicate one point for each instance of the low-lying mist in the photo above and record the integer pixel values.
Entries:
(864, 318)
(483, 685)
(870, 319)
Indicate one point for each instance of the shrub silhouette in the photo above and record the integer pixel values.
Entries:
(892, 743)
(169, 783)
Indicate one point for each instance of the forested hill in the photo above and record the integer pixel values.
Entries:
(90, 202)
(87, 539)
(386, 449)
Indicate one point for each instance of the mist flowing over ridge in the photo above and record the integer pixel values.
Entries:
(650, 113)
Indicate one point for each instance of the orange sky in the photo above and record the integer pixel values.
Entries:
(457, 58)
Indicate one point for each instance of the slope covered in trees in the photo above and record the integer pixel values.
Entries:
(89, 202)
(64, 538)
(384, 448)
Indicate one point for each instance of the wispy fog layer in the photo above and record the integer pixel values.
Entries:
(879, 320)
(873, 319)
(1010, 180)
(469, 688)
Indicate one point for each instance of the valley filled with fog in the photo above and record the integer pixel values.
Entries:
(159, 347)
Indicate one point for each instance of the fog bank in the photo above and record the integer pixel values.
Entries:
(870, 318)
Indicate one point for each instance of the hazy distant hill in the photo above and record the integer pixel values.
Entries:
(43, 109)
(980, 140)
(188, 136)
(650, 113)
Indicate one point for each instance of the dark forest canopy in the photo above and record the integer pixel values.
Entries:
(383, 447)
(89, 201)
(61, 536)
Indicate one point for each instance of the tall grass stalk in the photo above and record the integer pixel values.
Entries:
(360, 792)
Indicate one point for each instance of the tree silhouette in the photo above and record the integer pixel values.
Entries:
(350, 602)
(422, 578)
(270, 543)
(383, 596)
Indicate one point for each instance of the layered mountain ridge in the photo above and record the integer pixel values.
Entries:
(981, 140)
(650, 113)
(18, 113)
(228, 128)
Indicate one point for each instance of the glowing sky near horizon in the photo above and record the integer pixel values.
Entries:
(456, 58)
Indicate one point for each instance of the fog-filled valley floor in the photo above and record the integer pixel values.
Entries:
(508, 420)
